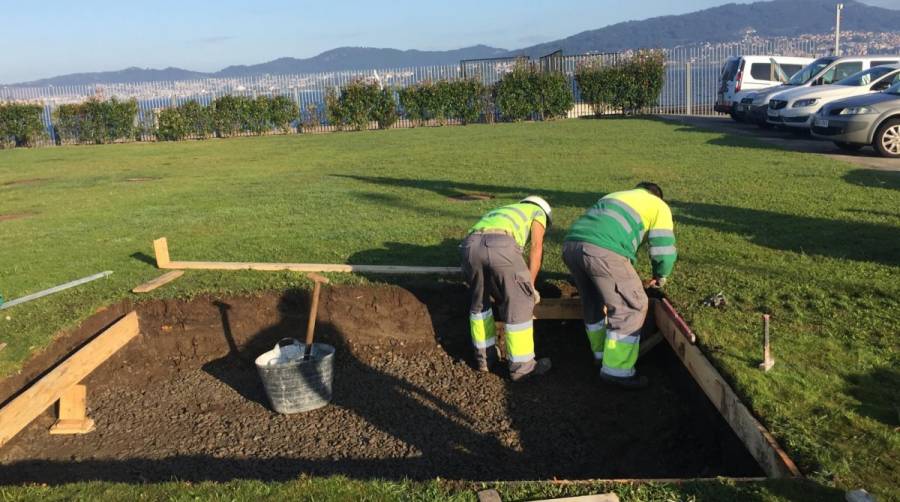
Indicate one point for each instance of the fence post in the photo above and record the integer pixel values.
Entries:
(687, 88)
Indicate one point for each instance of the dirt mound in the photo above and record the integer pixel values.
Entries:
(184, 401)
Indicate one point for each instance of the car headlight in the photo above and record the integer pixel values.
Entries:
(857, 110)
(803, 103)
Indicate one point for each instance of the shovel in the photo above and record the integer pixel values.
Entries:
(313, 310)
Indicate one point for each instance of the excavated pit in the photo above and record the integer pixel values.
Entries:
(183, 401)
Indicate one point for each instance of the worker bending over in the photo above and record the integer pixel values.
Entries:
(494, 267)
(600, 251)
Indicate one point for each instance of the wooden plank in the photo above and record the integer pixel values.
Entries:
(558, 308)
(605, 497)
(759, 442)
(47, 390)
(310, 267)
(2, 346)
(647, 343)
(490, 495)
(161, 250)
(158, 282)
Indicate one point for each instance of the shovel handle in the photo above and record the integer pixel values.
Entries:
(311, 325)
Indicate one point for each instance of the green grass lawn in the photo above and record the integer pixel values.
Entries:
(811, 241)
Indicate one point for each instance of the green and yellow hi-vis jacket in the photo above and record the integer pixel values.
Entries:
(620, 221)
(514, 219)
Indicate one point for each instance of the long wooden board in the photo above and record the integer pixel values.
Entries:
(161, 248)
(158, 282)
(46, 391)
(558, 308)
(759, 442)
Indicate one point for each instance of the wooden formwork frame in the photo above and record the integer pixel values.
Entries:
(61, 384)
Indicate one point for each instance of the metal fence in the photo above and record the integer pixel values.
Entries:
(691, 83)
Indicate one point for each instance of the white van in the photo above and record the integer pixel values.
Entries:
(747, 73)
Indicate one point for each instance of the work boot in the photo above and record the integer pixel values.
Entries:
(522, 371)
(635, 382)
(486, 359)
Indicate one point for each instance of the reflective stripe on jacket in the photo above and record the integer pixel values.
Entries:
(514, 219)
(620, 221)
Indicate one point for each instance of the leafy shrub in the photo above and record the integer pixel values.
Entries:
(461, 100)
(20, 124)
(172, 125)
(629, 86)
(282, 112)
(96, 121)
(198, 119)
(359, 103)
(230, 115)
(526, 92)
(312, 118)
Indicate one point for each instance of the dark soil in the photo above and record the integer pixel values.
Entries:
(184, 402)
(27, 181)
(15, 216)
(466, 197)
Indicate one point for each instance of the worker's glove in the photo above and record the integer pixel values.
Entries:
(660, 282)
(537, 297)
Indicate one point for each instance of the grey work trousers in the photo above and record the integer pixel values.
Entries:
(500, 288)
(605, 278)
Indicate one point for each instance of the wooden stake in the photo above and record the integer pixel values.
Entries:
(161, 250)
(768, 362)
(313, 311)
(73, 412)
(158, 282)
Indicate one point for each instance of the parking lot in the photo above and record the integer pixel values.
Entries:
(788, 141)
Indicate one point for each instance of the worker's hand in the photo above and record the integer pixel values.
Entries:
(656, 282)
(537, 297)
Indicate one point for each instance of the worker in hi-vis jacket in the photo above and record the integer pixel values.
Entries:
(600, 251)
(495, 268)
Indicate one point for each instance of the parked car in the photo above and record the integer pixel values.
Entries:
(748, 73)
(822, 71)
(794, 108)
(870, 119)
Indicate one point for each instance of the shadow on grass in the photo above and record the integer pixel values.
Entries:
(850, 240)
(876, 392)
(873, 178)
(833, 238)
(144, 258)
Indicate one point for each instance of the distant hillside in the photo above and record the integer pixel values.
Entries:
(725, 23)
(719, 24)
(362, 58)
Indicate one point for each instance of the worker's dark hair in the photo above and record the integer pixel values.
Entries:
(652, 188)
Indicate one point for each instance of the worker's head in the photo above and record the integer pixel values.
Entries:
(541, 203)
(652, 188)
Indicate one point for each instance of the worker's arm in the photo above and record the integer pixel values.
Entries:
(536, 254)
(662, 245)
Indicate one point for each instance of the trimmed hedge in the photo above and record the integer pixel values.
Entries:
(629, 86)
(360, 103)
(20, 124)
(96, 121)
(525, 92)
(227, 116)
(461, 100)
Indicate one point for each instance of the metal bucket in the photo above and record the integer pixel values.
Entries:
(293, 384)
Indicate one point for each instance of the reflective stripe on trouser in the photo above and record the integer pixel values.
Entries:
(620, 353)
(596, 334)
(483, 331)
(520, 342)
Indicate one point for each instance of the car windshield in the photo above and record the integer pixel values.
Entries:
(809, 71)
(865, 77)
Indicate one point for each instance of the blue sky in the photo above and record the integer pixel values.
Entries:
(54, 37)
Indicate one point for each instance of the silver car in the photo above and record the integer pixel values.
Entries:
(872, 119)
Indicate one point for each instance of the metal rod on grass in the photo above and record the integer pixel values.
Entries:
(768, 362)
(55, 289)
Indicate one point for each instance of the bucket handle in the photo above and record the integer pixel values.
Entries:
(283, 343)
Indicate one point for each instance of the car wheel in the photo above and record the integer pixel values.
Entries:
(847, 147)
(887, 139)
